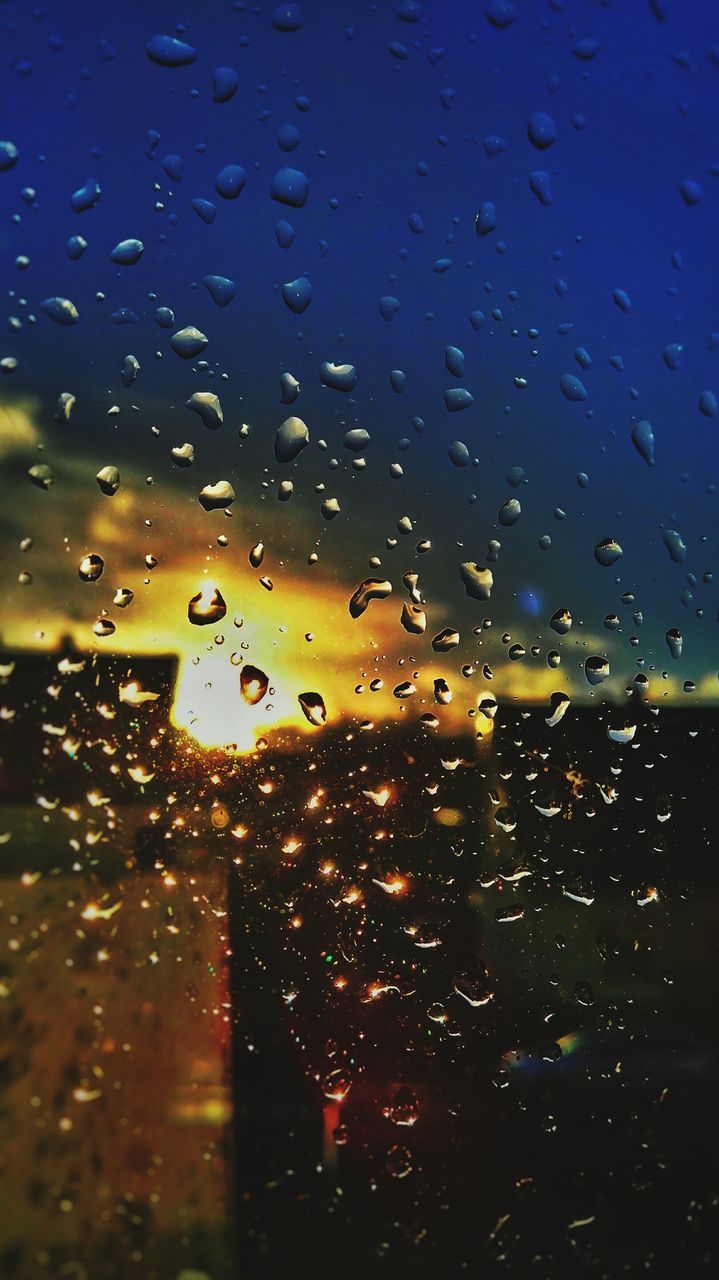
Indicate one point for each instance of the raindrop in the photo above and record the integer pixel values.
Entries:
(225, 82)
(167, 51)
(336, 1085)
(675, 545)
(445, 640)
(541, 130)
(478, 582)
(42, 476)
(108, 478)
(291, 438)
(708, 404)
(509, 512)
(675, 642)
(413, 619)
(207, 606)
(188, 342)
(540, 183)
(458, 453)
(357, 439)
(561, 622)
(253, 684)
(207, 407)
(230, 181)
(607, 552)
(91, 568)
(370, 589)
(572, 387)
(86, 196)
(290, 187)
(558, 705)
(216, 497)
(313, 708)
(61, 310)
(457, 398)
(220, 288)
(442, 692)
(596, 669)
(127, 253)
(297, 294)
(289, 388)
(129, 371)
(183, 455)
(339, 377)
(403, 1110)
(8, 156)
(643, 441)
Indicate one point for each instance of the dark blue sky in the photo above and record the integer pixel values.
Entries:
(394, 118)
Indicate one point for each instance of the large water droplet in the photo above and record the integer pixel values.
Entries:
(607, 552)
(253, 684)
(220, 288)
(127, 252)
(290, 187)
(108, 478)
(207, 407)
(313, 708)
(292, 437)
(675, 642)
(230, 181)
(217, 497)
(541, 130)
(188, 342)
(61, 310)
(596, 669)
(643, 441)
(478, 581)
(370, 589)
(675, 545)
(168, 51)
(339, 377)
(91, 567)
(207, 606)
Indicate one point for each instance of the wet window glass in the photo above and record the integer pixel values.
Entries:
(358, 638)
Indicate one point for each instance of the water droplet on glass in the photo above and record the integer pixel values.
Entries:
(129, 371)
(675, 642)
(675, 545)
(541, 130)
(215, 497)
(370, 589)
(596, 669)
(643, 441)
(207, 407)
(168, 51)
(607, 552)
(61, 310)
(478, 582)
(91, 567)
(291, 438)
(207, 606)
(42, 476)
(313, 708)
(338, 377)
(253, 684)
(127, 252)
(561, 622)
(188, 342)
